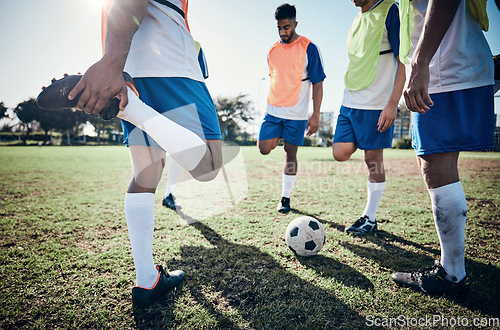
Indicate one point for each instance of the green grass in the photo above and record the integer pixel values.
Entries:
(66, 262)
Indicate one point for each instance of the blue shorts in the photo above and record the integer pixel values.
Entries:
(185, 101)
(292, 131)
(361, 128)
(461, 120)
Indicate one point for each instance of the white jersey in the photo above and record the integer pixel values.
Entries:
(163, 45)
(463, 60)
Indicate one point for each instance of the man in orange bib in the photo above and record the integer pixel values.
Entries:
(294, 65)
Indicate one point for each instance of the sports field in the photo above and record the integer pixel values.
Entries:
(66, 262)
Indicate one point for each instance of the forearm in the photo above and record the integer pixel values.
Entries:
(317, 97)
(399, 83)
(124, 19)
(440, 14)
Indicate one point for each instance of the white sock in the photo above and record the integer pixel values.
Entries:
(172, 176)
(449, 208)
(288, 182)
(374, 192)
(185, 146)
(140, 213)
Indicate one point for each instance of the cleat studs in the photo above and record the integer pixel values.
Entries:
(65, 75)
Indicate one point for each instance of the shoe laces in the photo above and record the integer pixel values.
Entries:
(361, 221)
(162, 271)
(430, 271)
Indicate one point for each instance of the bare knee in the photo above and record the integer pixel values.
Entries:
(264, 150)
(341, 157)
(343, 151)
(266, 146)
(148, 166)
(210, 164)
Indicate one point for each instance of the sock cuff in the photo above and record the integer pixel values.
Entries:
(374, 186)
(450, 192)
(139, 199)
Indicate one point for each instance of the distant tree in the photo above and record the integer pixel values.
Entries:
(102, 126)
(232, 113)
(3, 110)
(28, 113)
(49, 122)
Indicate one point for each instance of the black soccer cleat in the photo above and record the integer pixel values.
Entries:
(142, 297)
(55, 96)
(169, 201)
(363, 226)
(284, 205)
(433, 281)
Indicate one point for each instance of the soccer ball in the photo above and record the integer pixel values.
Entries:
(305, 236)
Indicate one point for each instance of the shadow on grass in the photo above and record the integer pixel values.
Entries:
(484, 294)
(253, 285)
(328, 267)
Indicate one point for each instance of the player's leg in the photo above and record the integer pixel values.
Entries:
(342, 151)
(211, 162)
(266, 146)
(152, 281)
(269, 134)
(374, 160)
(459, 120)
(139, 206)
(185, 124)
(344, 140)
(293, 136)
(289, 176)
(173, 172)
(449, 207)
(185, 146)
(373, 142)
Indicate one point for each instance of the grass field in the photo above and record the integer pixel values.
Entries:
(66, 262)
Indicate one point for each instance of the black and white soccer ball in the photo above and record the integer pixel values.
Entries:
(305, 236)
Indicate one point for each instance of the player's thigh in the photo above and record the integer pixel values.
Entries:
(271, 130)
(293, 131)
(148, 163)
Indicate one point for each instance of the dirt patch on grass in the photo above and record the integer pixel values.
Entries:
(487, 168)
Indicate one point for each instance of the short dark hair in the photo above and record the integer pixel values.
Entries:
(285, 11)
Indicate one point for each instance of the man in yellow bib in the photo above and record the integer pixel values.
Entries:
(294, 65)
(374, 83)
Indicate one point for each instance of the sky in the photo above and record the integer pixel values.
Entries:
(41, 40)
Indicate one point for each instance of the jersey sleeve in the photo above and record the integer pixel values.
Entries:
(315, 64)
(392, 26)
(202, 61)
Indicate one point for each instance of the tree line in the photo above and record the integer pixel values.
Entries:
(27, 117)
